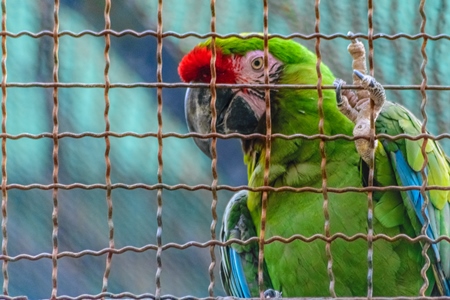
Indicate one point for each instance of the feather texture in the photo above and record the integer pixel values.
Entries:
(407, 161)
(302, 268)
(239, 267)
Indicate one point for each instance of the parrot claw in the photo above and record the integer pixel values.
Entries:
(375, 89)
(363, 112)
(354, 40)
(366, 80)
(357, 106)
(272, 294)
(346, 100)
(338, 83)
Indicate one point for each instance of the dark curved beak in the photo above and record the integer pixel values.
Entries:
(233, 114)
(198, 115)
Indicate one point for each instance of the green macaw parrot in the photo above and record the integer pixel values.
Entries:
(298, 268)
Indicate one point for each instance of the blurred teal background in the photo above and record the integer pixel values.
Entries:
(186, 215)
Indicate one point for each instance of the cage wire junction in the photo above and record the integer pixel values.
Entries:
(112, 251)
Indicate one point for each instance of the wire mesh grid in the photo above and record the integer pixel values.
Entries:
(112, 251)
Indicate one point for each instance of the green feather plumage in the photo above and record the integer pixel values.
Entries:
(300, 268)
(279, 48)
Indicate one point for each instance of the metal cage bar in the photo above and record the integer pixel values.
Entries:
(267, 150)
(109, 201)
(160, 152)
(55, 152)
(322, 152)
(214, 200)
(370, 183)
(4, 158)
(423, 173)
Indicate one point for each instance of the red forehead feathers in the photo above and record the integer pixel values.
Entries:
(195, 66)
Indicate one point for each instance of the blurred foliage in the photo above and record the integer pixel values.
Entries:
(186, 215)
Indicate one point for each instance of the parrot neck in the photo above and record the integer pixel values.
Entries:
(300, 114)
(297, 162)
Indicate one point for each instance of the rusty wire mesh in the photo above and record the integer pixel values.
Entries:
(112, 251)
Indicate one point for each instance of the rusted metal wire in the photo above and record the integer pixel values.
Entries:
(370, 183)
(159, 199)
(267, 151)
(225, 136)
(323, 161)
(218, 35)
(299, 237)
(423, 173)
(55, 151)
(207, 187)
(170, 297)
(109, 201)
(213, 150)
(127, 295)
(4, 159)
(218, 85)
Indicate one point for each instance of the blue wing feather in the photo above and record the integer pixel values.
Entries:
(239, 266)
(237, 275)
(409, 177)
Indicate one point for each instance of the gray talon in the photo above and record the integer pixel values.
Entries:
(375, 89)
(365, 113)
(359, 74)
(368, 82)
(350, 35)
(360, 110)
(338, 83)
(342, 100)
(271, 293)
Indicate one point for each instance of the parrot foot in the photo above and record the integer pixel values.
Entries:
(358, 53)
(346, 101)
(375, 89)
(272, 294)
(358, 110)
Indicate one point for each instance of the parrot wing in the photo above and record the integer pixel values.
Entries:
(239, 266)
(406, 160)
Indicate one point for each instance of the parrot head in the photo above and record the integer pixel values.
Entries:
(239, 61)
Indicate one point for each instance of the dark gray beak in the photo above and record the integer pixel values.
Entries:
(198, 115)
(234, 115)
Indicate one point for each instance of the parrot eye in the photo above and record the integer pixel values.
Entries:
(257, 63)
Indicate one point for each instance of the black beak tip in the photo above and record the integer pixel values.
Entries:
(204, 145)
